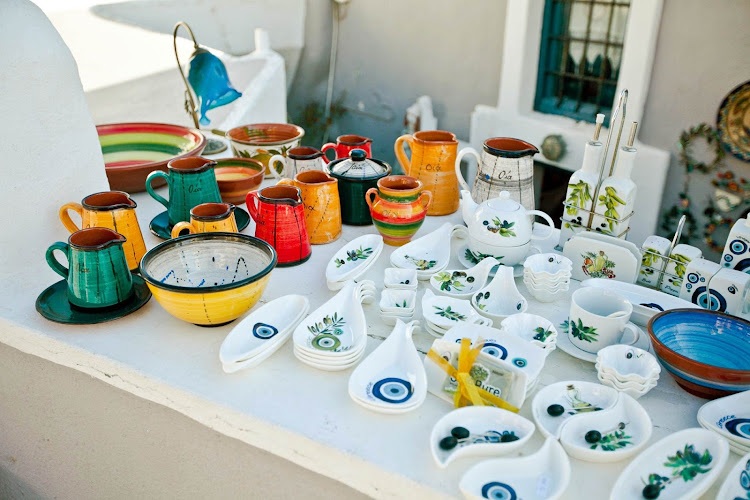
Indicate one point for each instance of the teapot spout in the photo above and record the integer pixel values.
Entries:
(468, 206)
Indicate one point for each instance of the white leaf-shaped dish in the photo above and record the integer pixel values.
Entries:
(353, 259)
(625, 429)
(543, 475)
(631, 482)
(461, 283)
(500, 298)
(267, 327)
(737, 483)
(532, 328)
(446, 312)
(427, 254)
(729, 416)
(393, 375)
(479, 420)
(576, 397)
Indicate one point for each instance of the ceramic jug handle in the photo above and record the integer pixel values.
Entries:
(286, 182)
(549, 221)
(65, 216)
(53, 262)
(461, 154)
(368, 196)
(153, 175)
(632, 329)
(398, 147)
(326, 147)
(425, 195)
(252, 204)
(272, 166)
(181, 226)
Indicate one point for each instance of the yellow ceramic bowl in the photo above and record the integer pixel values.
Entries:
(208, 279)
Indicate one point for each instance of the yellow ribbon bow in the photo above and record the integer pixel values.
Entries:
(468, 391)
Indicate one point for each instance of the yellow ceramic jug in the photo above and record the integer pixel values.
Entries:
(208, 218)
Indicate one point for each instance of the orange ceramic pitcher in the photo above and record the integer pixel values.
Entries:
(433, 158)
(320, 196)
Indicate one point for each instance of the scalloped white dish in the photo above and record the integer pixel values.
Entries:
(532, 328)
(548, 265)
(543, 475)
(353, 260)
(487, 425)
(628, 364)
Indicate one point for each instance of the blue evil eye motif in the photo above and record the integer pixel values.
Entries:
(495, 350)
(392, 390)
(745, 478)
(739, 427)
(498, 491)
(732, 289)
(692, 277)
(264, 331)
(728, 258)
(520, 362)
(738, 247)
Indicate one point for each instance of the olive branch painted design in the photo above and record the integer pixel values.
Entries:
(503, 228)
(679, 265)
(480, 297)
(611, 201)
(614, 440)
(422, 264)
(330, 324)
(542, 333)
(686, 464)
(477, 257)
(454, 279)
(353, 255)
(450, 314)
(582, 332)
(580, 194)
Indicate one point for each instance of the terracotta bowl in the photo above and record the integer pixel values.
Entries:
(706, 352)
(238, 176)
(261, 141)
(208, 279)
(134, 150)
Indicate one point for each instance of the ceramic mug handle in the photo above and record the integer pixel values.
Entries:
(632, 329)
(368, 196)
(153, 175)
(181, 226)
(425, 195)
(65, 216)
(326, 147)
(461, 154)
(53, 262)
(252, 202)
(272, 166)
(398, 147)
(547, 219)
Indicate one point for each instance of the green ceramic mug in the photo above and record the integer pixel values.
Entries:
(98, 273)
(191, 182)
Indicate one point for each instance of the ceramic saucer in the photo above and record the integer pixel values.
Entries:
(161, 227)
(53, 304)
(464, 261)
(564, 343)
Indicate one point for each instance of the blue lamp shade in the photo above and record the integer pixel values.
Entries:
(209, 79)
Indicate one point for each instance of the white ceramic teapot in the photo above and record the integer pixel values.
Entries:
(501, 228)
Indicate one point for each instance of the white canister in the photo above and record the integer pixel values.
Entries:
(680, 257)
(655, 248)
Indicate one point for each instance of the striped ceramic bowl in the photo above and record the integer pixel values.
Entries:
(134, 150)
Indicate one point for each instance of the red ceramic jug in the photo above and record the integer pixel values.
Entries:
(280, 221)
(345, 144)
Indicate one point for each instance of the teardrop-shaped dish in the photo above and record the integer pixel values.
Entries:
(447, 312)
(392, 375)
(487, 426)
(427, 254)
(353, 260)
(461, 283)
(685, 463)
(500, 298)
(543, 475)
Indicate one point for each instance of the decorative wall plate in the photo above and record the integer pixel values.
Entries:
(733, 122)
(600, 259)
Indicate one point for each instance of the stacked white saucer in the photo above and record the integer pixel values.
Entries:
(547, 276)
(730, 418)
(628, 369)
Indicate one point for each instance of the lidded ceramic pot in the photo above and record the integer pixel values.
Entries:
(356, 175)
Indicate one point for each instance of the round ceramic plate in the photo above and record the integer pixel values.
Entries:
(160, 226)
(467, 263)
(564, 343)
(733, 122)
(53, 304)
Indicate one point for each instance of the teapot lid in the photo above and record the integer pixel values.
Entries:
(358, 167)
(503, 203)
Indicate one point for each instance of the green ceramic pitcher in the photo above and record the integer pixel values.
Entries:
(98, 273)
(191, 182)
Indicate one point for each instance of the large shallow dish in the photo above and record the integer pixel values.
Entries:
(208, 279)
(707, 352)
(236, 177)
(134, 150)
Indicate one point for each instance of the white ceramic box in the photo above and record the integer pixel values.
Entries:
(681, 256)
(655, 248)
(697, 276)
(727, 291)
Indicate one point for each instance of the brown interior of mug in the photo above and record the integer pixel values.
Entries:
(303, 151)
(263, 133)
(211, 210)
(280, 193)
(353, 140)
(191, 163)
(508, 144)
(399, 182)
(313, 177)
(435, 136)
(94, 237)
(108, 199)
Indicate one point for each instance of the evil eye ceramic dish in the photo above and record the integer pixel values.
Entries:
(728, 416)
(544, 474)
(428, 254)
(462, 283)
(208, 278)
(737, 483)
(532, 328)
(682, 466)
(353, 260)
(695, 346)
(486, 426)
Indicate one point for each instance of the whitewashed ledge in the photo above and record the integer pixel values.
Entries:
(296, 412)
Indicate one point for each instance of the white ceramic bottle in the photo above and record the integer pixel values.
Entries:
(581, 187)
(737, 250)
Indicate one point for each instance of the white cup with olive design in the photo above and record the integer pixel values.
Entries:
(600, 318)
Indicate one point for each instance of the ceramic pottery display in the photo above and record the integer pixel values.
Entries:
(692, 344)
(353, 260)
(600, 318)
(297, 160)
(695, 288)
(320, 195)
(478, 431)
(208, 279)
(501, 228)
(392, 378)
(279, 216)
(97, 274)
(506, 164)
(114, 210)
(733, 122)
(617, 195)
(682, 466)
(398, 207)
(191, 182)
(446, 312)
(346, 143)
(547, 276)
(262, 333)
(544, 474)
(133, 150)
(428, 254)
(737, 249)
(261, 141)
(356, 175)
(208, 218)
(236, 177)
(655, 249)
(674, 271)
(433, 159)
(581, 187)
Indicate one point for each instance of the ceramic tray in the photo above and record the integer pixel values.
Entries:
(601, 259)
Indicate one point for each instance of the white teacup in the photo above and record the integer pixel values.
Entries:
(599, 318)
